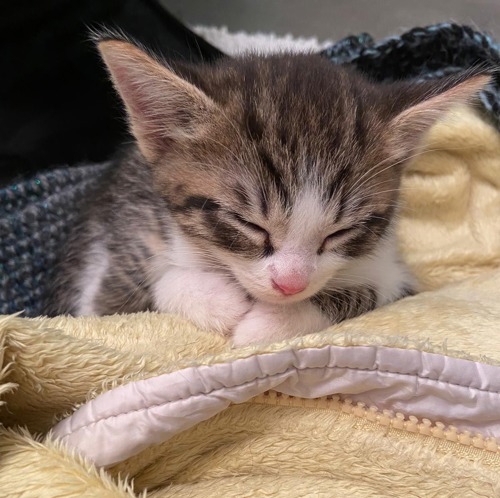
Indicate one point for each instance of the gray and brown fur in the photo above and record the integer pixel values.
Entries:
(283, 123)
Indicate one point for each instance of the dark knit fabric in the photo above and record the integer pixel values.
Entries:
(424, 53)
(36, 215)
(35, 218)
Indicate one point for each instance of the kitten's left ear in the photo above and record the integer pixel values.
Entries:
(162, 107)
(431, 101)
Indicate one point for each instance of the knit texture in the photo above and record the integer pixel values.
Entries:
(449, 233)
(424, 53)
(37, 214)
(35, 218)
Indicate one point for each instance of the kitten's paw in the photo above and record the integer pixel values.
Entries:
(266, 323)
(210, 300)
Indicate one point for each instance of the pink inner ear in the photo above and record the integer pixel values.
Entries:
(408, 127)
(161, 106)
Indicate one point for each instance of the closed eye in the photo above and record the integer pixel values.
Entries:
(339, 234)
(252, 226)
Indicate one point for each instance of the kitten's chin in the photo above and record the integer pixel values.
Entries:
(279, 298)
(266, 293)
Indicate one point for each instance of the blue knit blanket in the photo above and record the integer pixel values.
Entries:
(37, 214)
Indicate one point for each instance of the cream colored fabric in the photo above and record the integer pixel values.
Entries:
(458, 392)
(449, 233)
(450, 226)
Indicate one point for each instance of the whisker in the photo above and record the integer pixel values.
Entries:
(407, 158)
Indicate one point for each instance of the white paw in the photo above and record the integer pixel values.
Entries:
(210, 300)
(266, 323)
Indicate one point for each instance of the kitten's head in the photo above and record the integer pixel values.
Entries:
(281, 168)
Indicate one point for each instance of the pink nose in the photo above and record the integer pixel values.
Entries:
(289, 288)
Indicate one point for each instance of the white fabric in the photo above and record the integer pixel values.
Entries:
(263, 43)
(125, 420)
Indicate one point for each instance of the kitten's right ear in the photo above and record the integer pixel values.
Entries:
(424, 104)
(161, 106)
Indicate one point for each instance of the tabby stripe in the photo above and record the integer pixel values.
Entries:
(243, 195)
(407, 292)
(196, 202)
(275, 177)
(226, 236)
(339, 305)
(203, 203)
(254, 127)
(378, 222)
(372, 229)
(264, 206)
(337, 188)
(359, 245)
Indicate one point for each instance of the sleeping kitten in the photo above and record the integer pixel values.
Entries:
(260, 198)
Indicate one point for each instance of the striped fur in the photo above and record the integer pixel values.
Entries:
(262, 191)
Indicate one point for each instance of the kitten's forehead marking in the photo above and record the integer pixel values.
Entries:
(308, 219)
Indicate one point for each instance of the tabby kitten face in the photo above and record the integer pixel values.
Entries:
(281, 170)
(283, 228)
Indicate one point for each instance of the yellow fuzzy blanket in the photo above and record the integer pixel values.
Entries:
(277, 445)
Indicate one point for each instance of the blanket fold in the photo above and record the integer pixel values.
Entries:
(401, 401)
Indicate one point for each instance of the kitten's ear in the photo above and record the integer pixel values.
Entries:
(161, 106)
(431, 102)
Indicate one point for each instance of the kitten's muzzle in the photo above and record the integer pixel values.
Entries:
(289, 288)
(290, 272)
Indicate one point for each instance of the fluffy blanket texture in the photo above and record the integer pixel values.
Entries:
(403, 401)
